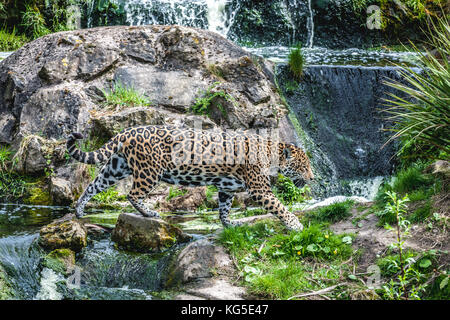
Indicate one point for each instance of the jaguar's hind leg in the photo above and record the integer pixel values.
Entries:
(225, 201)
(114, 170)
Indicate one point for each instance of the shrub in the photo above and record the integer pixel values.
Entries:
(33, 21)
(286, 191)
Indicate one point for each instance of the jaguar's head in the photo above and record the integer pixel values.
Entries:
(295, 164)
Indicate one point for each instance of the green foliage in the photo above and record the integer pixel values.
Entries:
(335, 212)
(10, 41)
(422, 280)
(413, 182)
(286, 191)
(33, 21)
(109, 196)
(296, 61)
(422, 121)
(123, 95)
(207, 99)
(277, 265)
(12, 185)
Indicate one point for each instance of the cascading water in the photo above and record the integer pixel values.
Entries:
(310, 26)
(105, 272)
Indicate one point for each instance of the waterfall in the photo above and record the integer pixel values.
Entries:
(310, 25)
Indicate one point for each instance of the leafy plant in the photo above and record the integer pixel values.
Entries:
(397, 207)
(423, 119)
(33, 21)
(109, 196)
(206, 100)
(286, 191)
(296, 61)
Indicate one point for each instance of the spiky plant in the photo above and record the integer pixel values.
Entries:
(422, 119)
(296, 61)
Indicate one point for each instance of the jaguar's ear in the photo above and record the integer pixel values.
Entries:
(287, 153)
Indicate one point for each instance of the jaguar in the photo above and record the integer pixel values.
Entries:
(232, 161)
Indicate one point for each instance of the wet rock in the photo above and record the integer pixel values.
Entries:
(141, 234)
(37, 155)
(59, 260)
(70, 234)
(198, 260)
(204, 269)
(190, 201)
(60, 191)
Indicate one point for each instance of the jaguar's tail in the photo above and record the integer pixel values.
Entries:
(99, 156)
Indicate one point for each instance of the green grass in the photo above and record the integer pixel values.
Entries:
(332, 213)
(419, 187)
(10, 41)
(296, 61)
(175, 192)
(127, 96)
(278, 265)
(109, 196)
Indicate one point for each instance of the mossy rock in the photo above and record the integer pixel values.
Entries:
(39, 196)
(141, 234)
(59, 260)
(6, 290)
(64, 234)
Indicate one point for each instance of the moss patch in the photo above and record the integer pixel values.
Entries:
(59, 260)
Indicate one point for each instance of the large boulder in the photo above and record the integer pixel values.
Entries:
(53, 85)
(141, 234)
(63, 234)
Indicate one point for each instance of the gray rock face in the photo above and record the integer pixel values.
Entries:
(137, 233)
